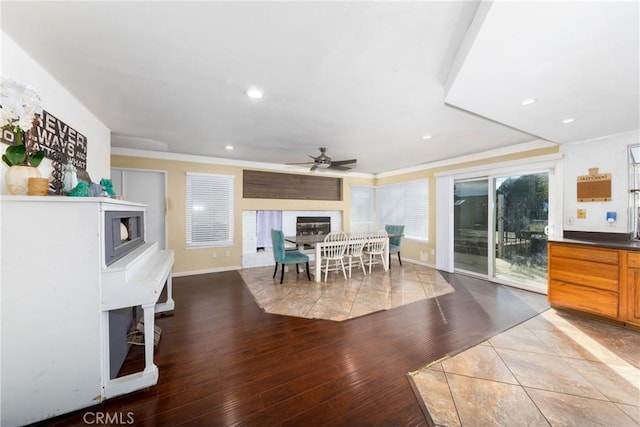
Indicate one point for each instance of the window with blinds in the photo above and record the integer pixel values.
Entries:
(405, 204)
(209, 210)
(362, 207)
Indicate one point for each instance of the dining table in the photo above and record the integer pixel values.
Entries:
(316, 241)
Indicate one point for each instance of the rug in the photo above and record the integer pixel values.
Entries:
(340, 299)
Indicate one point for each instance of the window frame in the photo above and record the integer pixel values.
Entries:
(370, 224)
(401, 218)
(218, 185)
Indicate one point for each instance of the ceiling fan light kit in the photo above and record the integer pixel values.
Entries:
(324, 162)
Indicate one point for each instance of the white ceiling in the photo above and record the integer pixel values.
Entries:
(364, 79)
(578, 59)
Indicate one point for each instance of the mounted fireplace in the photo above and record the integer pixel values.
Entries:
(309, 225)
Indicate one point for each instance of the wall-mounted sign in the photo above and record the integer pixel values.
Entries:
(595, 187)
(59, 141)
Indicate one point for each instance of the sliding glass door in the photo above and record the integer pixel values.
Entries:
(521, 215)
(516, 210)
(470, 224)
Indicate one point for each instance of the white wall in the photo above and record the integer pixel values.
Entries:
(16, 64)
(251, 258)
(610, 155)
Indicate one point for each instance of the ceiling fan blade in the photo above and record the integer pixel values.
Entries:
(314, 167)
(305, 163)
(343, 162)
(339, 167)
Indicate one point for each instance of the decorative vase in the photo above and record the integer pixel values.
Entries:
(38, 186)
(69, 177)
(17, 178)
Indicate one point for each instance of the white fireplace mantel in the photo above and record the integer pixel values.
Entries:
(251, 257)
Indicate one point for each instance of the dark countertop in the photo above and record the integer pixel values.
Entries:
(632, 245)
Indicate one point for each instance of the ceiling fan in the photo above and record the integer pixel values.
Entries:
(324, 162)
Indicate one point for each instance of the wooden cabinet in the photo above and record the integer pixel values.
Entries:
(596, 280)
(633, 289)
(585, 279)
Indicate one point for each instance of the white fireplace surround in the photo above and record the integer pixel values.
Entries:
(250, 255)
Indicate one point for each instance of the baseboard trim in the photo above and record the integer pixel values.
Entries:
(413, 261)
(206, 271)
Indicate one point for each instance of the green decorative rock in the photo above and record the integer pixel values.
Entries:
(80, 190)
(107, 186)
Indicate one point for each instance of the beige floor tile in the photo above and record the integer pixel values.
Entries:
(407, 286)
(293, 306)
(331, 309)
(548, 373)
(479, 362)
(363, 294)
(568, 410)
(609, 343)
(540, 323)
(632, 411)
(436, 367)
(576, 370)
(434, 391)
(490, 403)
(344, 293)
(569, 344)
(521, 339)
(375, 300)
(620, 384)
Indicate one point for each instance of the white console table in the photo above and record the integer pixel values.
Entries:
(56, 292)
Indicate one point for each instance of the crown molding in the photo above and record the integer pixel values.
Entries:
(503, 151)
(163, 155)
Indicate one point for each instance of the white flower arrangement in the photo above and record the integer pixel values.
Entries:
(19, 104)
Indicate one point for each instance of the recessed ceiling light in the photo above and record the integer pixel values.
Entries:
(229, 147)
(254, 93)
(426, 137)
(569, 120)
(528, 101)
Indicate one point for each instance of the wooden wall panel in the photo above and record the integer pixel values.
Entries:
(271, 185)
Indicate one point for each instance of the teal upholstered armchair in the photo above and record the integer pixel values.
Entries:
(395, 233)
(280, 256)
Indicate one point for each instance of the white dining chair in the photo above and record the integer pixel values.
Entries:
(375, 246)
(335, 245)
(355, 249)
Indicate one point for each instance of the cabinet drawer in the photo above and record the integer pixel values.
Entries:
(633, 259)
(582, 272)
(596, 301)
(605, 256)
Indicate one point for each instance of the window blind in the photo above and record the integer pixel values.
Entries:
(209, 210)
(362, 208)
(405, 204)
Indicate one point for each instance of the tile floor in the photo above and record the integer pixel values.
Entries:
(339, 299)
(554, 369)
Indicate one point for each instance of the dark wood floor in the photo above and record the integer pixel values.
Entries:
(223, 361)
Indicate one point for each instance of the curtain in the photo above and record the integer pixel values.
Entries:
(265, 221)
